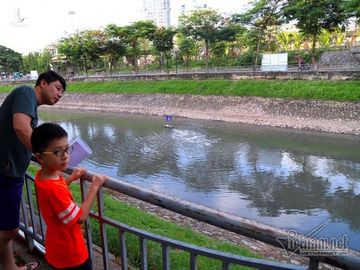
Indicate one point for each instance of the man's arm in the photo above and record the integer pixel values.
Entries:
(23, 129)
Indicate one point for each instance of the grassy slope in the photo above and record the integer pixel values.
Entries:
(323, 90)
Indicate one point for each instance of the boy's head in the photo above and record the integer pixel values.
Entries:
(50, 145)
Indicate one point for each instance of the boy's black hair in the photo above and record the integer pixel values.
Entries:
(44, 134)
(51, 76)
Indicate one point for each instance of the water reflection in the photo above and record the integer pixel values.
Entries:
(279, 177)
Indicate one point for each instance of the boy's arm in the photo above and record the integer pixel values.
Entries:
(97, 182)
(76, 174)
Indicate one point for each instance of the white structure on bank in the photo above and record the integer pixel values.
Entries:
(274, 62)
(157, 11)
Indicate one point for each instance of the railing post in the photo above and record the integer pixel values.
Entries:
(32, 226)
(193, 261)
(143, 254)
(165, 257)
(123, 250)
(89, 241)
(313, 264)
(102, 225)
(225, 266)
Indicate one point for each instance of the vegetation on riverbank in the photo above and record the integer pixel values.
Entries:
(137, 218)
(297, 89)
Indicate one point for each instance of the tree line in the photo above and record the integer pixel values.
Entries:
(204, 37)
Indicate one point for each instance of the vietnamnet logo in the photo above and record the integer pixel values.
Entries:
(308, 245)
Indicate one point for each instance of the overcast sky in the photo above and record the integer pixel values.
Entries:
(28, 26)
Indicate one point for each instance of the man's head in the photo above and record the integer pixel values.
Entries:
(49, 87)
(50, 145)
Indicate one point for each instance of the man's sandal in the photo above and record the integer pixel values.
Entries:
(32, 265)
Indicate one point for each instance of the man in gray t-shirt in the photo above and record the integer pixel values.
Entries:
(18, 117)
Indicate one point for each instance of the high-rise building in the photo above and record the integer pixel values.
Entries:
(190, 5)
(157, 11)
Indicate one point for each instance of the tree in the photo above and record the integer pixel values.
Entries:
(73, 49)
(236, 46)
(218, 49)
(133, 34)
(312, 17)
(324, 38)
(353, 9)
(262, 17)
(114, 45)
(202, 24)
(83, 47)
(163, 43)
(37, 61)
(284, 39)
(229, 36)
(298, 40)
(10, 60)
(187, 48)
(338, 37)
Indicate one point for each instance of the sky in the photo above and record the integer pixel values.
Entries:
(29, 26)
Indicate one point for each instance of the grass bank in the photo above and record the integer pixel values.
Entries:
(135, 217)
(321, 90)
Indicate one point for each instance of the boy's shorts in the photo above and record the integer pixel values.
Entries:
(10, 197)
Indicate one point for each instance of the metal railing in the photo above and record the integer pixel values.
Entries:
(34, 229)
(225, 69)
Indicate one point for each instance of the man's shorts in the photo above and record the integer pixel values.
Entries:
(10, 197)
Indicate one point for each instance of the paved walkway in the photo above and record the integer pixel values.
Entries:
(23, 256)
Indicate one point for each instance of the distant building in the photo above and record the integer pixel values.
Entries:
(157, 11)
(190, 5)
(52, 49)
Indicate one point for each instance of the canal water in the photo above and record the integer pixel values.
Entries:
(285, 178)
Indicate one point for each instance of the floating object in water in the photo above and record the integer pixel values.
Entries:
(168, 118)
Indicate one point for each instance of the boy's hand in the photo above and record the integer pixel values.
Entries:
(77, 173)
(98, 180)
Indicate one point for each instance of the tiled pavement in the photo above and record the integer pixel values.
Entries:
(23, 256)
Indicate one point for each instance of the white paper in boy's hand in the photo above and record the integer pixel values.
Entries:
(80, 151)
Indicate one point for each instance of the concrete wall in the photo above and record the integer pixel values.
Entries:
(305, 75)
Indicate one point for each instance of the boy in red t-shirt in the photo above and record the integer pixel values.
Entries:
(64, 243)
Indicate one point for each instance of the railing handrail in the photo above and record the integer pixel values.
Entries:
(252, 229)
(33, 223)
(239, 225)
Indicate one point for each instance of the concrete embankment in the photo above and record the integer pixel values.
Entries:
(327, 116)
